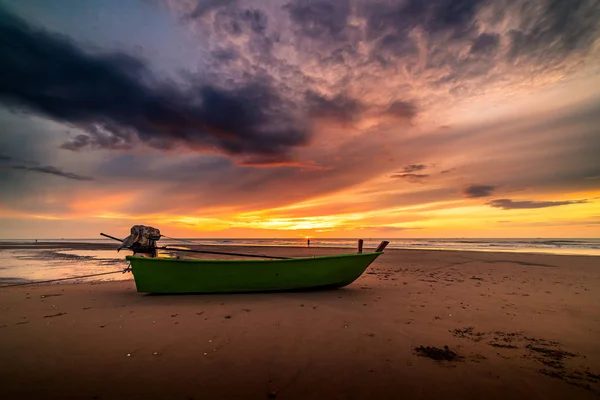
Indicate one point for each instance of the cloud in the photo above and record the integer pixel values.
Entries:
(485, 44)
(475, 191)
(558, 30)
(414, 168)
(402, 110)
(230, 108)
(114, 99)
(409, 173)
(46, 169)
(311, 100)
(386, 228)
(507, 204)
(320, 18)
(205, 6)
(7, 162)
(277, 69)
(414, 178)
(401, 53)
(397, 19)
(339, 108)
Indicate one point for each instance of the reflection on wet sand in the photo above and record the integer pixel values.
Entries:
(27, 264)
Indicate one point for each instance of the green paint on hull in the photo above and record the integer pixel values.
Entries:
(165, 275)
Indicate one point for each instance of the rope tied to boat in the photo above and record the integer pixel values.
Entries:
(122, 271)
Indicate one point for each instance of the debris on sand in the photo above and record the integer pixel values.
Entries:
(463, 332)
(546, 352)
(55, 315)
(498, 337)
(437, 354)
(558, 355)
(503, 346)
(542, 342)
(593, 377)
(557, 375)
(43, 296)
(468, 333)
(553, 364)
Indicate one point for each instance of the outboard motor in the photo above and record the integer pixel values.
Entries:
(142, 240)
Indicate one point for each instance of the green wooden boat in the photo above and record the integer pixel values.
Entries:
(172, 275)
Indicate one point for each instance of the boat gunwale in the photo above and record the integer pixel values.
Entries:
(246, 261)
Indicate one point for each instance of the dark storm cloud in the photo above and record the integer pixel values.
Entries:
(100, 138)
(237, 22)
(345, 109)
(539, 31)
(225, 55)
(340, 108)
(397, 19)
(320, 18)
(554, 28)
(389, 24)
(463, 38)
(114, 100)
(475, 191)
(507, 204)
(205, 6)
(545, 26)
(427, 51)
(485, 44)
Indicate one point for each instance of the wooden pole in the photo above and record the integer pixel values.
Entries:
(382, 246)
(111, 237)
(360, 246)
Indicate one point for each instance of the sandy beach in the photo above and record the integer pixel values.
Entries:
(515, 326)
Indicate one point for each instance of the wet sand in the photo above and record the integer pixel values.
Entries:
(515, 326)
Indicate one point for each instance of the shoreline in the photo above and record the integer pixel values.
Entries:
(224, 247)
(581, 246)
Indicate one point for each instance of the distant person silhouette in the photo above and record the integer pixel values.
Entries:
(307, 242)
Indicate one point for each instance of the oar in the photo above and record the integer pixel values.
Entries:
(209, 252)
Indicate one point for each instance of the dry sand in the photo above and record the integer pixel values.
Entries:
(521, 326)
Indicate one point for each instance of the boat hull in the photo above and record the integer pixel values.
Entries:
(164, 275)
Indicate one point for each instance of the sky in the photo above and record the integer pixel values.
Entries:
(300, 118)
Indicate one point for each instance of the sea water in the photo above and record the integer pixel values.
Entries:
(542, 245)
